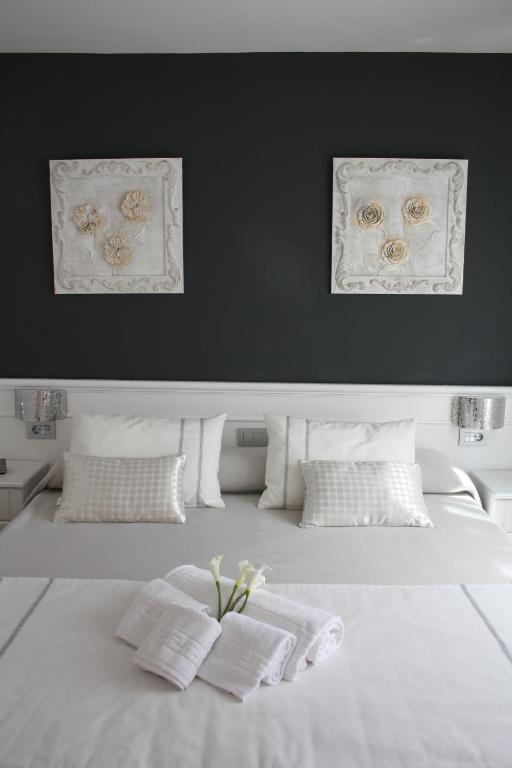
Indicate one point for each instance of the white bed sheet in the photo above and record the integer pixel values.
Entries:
(423, 679)
(463, 546)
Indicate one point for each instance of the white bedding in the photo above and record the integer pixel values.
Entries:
(423, 679)
(463, 546)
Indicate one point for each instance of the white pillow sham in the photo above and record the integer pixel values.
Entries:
(103, 489)
(291, 440)
(341, 493)
(150, 437)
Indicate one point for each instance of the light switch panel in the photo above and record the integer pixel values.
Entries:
(251, 437)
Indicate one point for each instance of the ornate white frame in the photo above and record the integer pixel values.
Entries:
(343, 281)
(170, 170)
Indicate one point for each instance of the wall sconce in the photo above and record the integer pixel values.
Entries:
(475, 416)
(40, 409)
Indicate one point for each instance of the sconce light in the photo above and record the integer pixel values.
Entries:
(477, 415)
(40, 408)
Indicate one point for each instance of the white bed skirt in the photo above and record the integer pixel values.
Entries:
(424, 678)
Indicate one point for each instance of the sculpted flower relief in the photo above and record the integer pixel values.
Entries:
(117, 251)
(88, 219)
(394, 252)
(416, 210)
(135, 205)
(370, 216)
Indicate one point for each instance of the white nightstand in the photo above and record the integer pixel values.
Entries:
(495, 489)
(20, 478)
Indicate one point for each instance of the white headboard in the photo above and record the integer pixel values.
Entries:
(245, 404)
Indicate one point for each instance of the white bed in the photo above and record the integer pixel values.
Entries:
(423, 678)
(463, 546)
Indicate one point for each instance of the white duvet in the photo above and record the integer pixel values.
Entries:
(424, 678)
(463, 546)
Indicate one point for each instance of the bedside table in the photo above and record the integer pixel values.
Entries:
(495, 489)
(21, 477)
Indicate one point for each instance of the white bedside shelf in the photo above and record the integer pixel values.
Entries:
(15, 485)
(495, 489)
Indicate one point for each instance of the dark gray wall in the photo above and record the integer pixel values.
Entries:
(257, 134)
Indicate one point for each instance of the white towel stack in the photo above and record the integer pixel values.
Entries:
(246, 654)
(318, 632)
(178, 644)
(148, 606)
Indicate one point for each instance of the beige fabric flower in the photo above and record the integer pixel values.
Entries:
(416, 210)
(88, 219)
(370, 216)
(394, 252)
(135, 205)
(118, 251)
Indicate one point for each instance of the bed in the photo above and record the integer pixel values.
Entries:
(463, 546)
(424, 676)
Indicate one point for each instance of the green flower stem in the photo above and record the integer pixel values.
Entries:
(246, 596)
(217, 584)
(228, 605)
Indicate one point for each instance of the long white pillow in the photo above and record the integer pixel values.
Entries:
(141, 437)
(291, 440)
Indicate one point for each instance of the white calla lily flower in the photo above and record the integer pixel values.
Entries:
(254, 577)
(215, 566)
(243, 567)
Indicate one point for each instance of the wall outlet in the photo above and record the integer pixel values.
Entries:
(39, 430)
(468, 438)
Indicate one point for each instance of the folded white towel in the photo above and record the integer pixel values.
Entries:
(147, 607)
(178, 644)
(318, 632)
(247, 653)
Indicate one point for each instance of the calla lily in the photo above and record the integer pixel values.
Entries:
(254, 577)
(215, 566)
(215, 569)
(249, 578)
(243, 567)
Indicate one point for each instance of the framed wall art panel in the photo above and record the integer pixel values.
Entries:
(398, 225)
(117, 225)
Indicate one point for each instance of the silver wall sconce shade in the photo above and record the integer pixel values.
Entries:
(40, 408)
(478, 413)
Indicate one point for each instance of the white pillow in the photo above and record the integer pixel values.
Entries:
(363, 493)
(101, 489)
(150, 437)
(291, 440)
(440, 476)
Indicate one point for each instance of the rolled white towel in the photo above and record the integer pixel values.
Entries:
(247, 653)
(199, 584)
(318, 632)
(178, 644)
(147, 607)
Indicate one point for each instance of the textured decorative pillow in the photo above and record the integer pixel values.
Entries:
(101, 489)
(140, 437)
(363, 493)
(291, 440)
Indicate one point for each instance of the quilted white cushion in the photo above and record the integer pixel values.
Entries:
(103, 489)
(363, 493)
